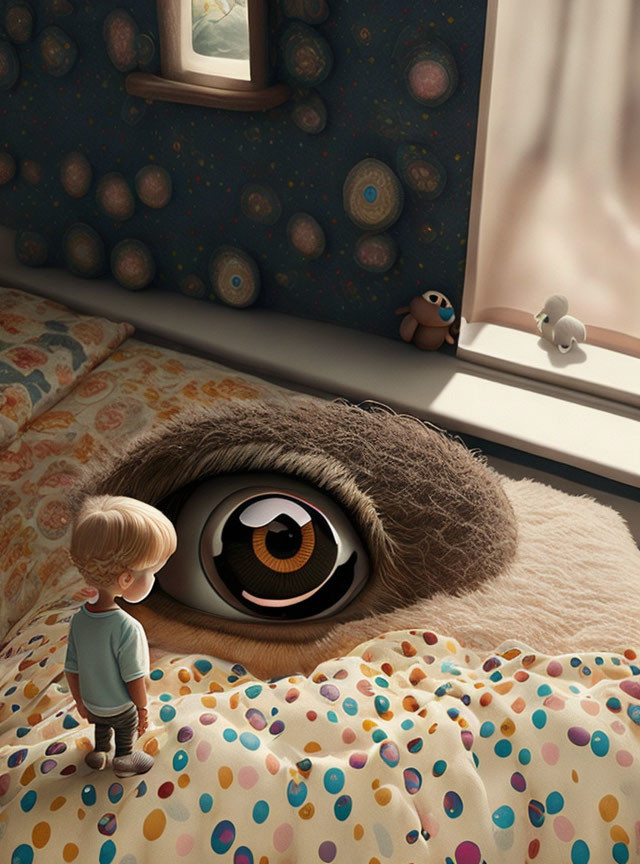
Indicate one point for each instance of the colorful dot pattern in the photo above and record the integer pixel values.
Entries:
(408, 749)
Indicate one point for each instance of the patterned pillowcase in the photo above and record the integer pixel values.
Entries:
(45, 349)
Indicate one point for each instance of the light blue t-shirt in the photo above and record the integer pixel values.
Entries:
(106, 650)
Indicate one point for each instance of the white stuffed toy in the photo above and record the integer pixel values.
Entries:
(557, 327)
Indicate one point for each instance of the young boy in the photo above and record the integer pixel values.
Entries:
(118, 544)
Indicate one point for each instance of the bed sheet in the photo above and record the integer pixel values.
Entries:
(409, 749)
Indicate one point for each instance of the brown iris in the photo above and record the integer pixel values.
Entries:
(276, 550)
(273, 553)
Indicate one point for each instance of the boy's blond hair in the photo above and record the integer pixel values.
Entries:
(113, 534)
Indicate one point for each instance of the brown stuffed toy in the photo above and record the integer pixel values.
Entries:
(428, 322)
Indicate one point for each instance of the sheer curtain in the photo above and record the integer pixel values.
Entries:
(560, 208)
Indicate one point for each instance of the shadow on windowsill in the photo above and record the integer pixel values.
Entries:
(560, 360)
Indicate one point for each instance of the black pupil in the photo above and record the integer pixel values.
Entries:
(283, 537)
(433, 298)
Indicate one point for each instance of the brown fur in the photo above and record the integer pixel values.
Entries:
(433, 517)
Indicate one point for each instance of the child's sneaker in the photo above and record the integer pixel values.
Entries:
(97, 759)
(137, 762)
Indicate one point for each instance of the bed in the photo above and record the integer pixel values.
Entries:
(493, 719)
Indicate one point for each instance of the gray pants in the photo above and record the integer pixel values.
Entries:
(123, 724)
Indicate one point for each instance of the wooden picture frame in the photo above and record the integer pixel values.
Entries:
(214, 53)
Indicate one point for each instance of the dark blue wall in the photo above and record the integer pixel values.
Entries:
(211, 155)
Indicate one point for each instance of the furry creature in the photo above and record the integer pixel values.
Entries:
(450, 545)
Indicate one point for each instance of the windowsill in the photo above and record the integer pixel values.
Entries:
(154, 87)
(588, 368)
(590, 434)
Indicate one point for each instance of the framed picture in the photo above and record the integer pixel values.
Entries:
(213, 52)
(218, 43)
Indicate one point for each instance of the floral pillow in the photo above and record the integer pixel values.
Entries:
(45, 349)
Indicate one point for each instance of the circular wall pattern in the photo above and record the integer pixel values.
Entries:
(306, 235)
(260, 203)
(375, 252)
(192, 285)
(32, 248)
(428, 80)
(153, 186)
(428, 231)
(76, 174)
(372, 195)
(84, 251)
(286, 280)
(9, 66)
(114, 197)
(363, 35)
(120, 33)
(306, 54)
(133, 110)
(386, 123)
(310, 114)
(132, 264)
(19, 19)
(146, 49)
(31, 171)
(58, 51)
(428, 66)
(8, 168)
(234, 276)
(421, 171)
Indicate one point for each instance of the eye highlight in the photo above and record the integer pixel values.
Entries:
(261, 546)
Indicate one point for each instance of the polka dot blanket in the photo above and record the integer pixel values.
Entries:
(409, 749)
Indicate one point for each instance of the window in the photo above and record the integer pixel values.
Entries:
(214, 53)
(556, 203)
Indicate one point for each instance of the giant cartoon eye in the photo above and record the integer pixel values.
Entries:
(262, 546)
